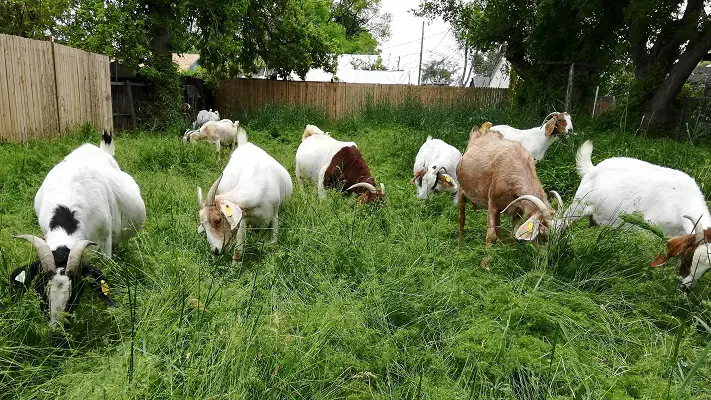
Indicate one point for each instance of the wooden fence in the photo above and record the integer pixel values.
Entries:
(47, 89)
(341, 99)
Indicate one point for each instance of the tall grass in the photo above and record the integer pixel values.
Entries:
(356, 301)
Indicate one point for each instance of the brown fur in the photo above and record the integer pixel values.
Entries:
(348, 168)
(556, 125)
(418, 176)
(492, 173)
(683, 246)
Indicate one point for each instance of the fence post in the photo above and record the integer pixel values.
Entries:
(130, 103)
(569, 92)
(597, 89)
(48, 38)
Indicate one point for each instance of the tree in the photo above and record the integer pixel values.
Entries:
(438, 71)
(364, 25)
(663, 39)
(30, 18)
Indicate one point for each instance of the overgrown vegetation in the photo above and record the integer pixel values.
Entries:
(356, 301)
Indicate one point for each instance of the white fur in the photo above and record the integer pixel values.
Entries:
(435, 154)
(623, 185)
(313, 157)
(205, 116)
(255, 183)
(534, 140)
(60, 290)
(106, 201)
(312, 130)
(215, 132)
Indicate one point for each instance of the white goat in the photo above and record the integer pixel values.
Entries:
(666, 197)
(537, 140)
(250, 191)
(215, 132)
(205, 116)
(312, 130)
(84, 200)
(435, 168)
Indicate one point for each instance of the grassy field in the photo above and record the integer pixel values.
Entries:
(357, 302)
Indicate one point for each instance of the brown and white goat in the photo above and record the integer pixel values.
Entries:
(329, 163)
(695, 252)
(500, 175)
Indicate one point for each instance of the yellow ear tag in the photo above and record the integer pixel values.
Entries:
(104, 287)
(446, 178)
(530, 226)
(228, 210)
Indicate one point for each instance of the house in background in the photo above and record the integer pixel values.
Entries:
(349, 71)
(186, 61)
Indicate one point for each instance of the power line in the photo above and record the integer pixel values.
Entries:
(441, 40)
(413, 41)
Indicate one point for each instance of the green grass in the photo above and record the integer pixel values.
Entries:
(357, 302)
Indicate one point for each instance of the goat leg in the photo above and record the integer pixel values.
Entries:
(462, 203)
(493, 220)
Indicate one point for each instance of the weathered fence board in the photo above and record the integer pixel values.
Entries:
(47, 89)
(341, 99)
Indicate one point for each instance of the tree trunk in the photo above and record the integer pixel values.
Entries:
(657, 112)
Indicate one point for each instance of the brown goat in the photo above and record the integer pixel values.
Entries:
(349, 173)
(499, 174)
(694, 251)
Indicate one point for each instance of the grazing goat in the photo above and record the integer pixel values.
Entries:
(695, 252)
(215, 132)
(249, 192)
(329, 163)
(665, 197)
(499, 174)
(537, 140)
(84, 200)
(435, 168)
(205, 116)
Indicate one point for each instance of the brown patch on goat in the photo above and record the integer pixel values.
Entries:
(556, 125)
(371, 197)
(492, 173)
(418, 176)
(347, 168)
(683, 246)
(218, 222)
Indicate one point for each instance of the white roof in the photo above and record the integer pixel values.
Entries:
(346, 73)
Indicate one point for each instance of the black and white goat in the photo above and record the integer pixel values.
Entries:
(84, 200)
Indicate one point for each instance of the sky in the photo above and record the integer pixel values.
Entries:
(404, 41)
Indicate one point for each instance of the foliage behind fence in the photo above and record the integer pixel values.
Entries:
(47, 89)
(342, 99)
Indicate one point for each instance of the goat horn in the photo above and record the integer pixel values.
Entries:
(382, 188)
(545, 211)
(363, 185)
(558, 199)
(43, 252)
(212, 192)
(699, 232)
(74, 259)
(201, 203)
(548, 116)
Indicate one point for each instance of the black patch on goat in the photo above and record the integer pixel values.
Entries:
(106, 137)
(63, 217)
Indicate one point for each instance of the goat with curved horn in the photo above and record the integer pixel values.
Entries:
(366, 185)
(75, 254)
(43, 252)
(698, 230)
(210, 201)
(542, 207)
(559, 199)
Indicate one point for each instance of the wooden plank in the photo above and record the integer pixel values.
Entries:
(7, 128)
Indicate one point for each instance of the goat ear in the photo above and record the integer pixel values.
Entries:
(446, 180)
(200, 228)
(232, 212)
(21, 277)
(529, 230)
(550, 126)
(99, 283)
(417, 177)
(675, 246)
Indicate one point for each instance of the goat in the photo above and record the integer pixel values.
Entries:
(435, 168)
(695, 252)
(329, 163)
(216, 132)
(84, 200)
(312, 130)
(250, 191)
(499, 174)
(205, 116)
(665, 197)
(537, 140)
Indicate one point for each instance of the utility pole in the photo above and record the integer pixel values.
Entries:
(569, 92)
(422, 43)
(398, 63)
(464, 71)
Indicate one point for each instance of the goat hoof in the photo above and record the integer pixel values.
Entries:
(485, 263)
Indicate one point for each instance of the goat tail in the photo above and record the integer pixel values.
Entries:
(583, 159)
(107, 143)
(241, 136)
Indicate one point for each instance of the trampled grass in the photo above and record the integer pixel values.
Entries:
(356, 301)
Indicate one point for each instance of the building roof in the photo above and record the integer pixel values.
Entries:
(186, 61)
